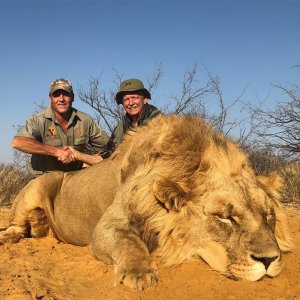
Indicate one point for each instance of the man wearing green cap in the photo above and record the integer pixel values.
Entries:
(50, 134)
(134, 98)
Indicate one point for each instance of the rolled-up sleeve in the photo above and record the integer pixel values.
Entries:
(30, 129)
(97, 137)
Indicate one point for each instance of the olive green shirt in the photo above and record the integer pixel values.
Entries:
(120, 131)
(45, 128)
(122, 128)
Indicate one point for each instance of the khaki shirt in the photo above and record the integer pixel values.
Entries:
(45, 128)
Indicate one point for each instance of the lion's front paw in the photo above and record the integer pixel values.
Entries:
(11, 235)
(8, 238)
(138, 277)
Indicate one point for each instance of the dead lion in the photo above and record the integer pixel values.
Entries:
(175, 186)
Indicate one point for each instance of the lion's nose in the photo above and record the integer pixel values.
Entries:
(265, 260)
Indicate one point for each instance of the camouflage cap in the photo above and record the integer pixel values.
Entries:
(131, 86)
(61, 84)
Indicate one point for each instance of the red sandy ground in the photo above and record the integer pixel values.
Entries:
(47, 269)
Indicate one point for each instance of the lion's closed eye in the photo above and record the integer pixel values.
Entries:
(228, 219)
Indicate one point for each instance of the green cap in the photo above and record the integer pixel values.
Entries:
(131, 86)
(61, 84)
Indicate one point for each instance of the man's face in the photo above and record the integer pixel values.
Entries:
(61, 101)
(134, 104)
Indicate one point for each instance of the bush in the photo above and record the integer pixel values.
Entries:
(291, 176)
(11, 182)
(265, 162)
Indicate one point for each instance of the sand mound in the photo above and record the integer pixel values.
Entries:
(47, 269)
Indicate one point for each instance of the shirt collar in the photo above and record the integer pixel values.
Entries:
(49, 114)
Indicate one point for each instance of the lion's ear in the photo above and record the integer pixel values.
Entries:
(170, 194)
(272, 184)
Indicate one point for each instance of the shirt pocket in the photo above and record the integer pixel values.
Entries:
(54, 142)
(80, 142)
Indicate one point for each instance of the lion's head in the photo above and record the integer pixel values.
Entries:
(197, 193)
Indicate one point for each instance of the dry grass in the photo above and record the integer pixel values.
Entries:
(291, 176)
(265, 162)
(11, 182)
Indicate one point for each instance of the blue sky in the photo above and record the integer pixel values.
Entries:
(246, 43)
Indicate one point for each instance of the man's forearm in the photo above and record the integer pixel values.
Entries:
(32, 146)
(88, 159)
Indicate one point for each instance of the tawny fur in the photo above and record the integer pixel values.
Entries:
(174, 185)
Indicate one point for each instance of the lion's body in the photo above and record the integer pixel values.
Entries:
(174, 185)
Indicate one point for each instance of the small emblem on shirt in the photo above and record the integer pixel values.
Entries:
(51, 130)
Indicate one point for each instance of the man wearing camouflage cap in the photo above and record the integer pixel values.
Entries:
(50, 134)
